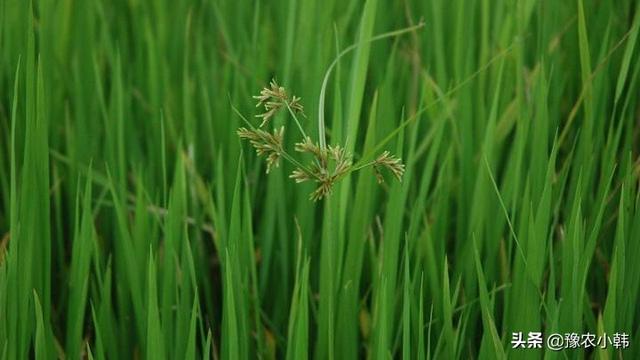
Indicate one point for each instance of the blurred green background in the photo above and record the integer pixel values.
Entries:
(135, 224)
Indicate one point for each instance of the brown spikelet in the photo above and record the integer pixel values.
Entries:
(330, 163)
(391, 163)
(299, 175)
(265, 143)
(308, 146)
(273, 99)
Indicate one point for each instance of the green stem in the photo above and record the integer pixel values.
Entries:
(235, 110)
(295, 162)
(321, 129)
(295, 118)
(360, 167)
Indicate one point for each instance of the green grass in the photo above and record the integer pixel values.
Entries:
(134, 223)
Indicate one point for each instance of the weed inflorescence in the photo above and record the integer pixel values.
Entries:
(330, 164)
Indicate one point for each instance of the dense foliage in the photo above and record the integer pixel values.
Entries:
(134, 223)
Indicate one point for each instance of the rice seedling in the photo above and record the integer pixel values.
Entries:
(424, 180)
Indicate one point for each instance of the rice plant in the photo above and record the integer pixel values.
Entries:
(319, 179)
